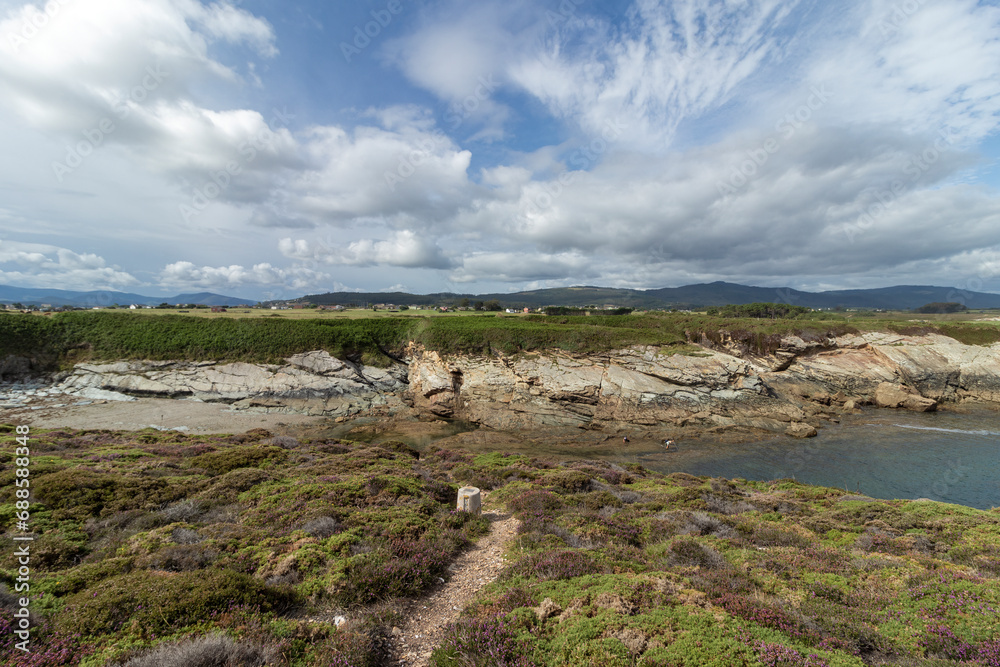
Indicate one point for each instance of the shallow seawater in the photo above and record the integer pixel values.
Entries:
(944, 456)
(416, 434)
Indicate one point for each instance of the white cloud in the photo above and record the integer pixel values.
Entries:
(693, 90)
(233, 25)
(107, 73)
(380, 173)
(40, 265)
(404, 249)
(668, 62)
(523, 266)
(186, 275)
(921, 65)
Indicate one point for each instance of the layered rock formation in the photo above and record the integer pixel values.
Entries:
(311, 383)
(791, 391)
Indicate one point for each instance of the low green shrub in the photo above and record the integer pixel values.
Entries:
(566, 481)
(227, 460)
(690, 552)
(80, 492)
(86, 575)
(155, 603)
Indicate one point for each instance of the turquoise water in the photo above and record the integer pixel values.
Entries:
(943, 456)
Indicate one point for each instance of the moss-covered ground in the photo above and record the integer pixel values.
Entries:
(150, 538)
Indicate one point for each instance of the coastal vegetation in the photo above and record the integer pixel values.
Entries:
(942, 308)
(154, 544)
(770, 311)
(65, 338)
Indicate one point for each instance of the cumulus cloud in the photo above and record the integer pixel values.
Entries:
(524, 266)
(109, 74)
(186, 275)
(374, 172)
(826, 201)
(404, 249)
(40, 265)
(105, 73)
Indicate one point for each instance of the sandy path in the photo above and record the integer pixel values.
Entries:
(162, 413)
(427, 617)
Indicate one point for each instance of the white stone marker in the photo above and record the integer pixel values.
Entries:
(469, 500)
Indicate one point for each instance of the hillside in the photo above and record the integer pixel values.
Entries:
(902, 297)
(152, 544)
(103, 298)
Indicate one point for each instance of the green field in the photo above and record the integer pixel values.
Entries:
(378, 338)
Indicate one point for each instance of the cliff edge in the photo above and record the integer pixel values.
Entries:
(792, 390)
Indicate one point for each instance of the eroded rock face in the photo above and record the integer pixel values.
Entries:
(791, 391)
(638, 385)
(311, 383)
(814, 381)
(889, 395)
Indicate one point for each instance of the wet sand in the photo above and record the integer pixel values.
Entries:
(160, 413)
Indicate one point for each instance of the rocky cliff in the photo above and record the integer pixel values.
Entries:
(310, 383)
(792, 390)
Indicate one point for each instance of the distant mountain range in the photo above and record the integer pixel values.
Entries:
(902, 297)
(58, 297)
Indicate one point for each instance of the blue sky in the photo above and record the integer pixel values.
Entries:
(271, 149)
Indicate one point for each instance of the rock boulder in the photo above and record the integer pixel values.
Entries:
(889, 395)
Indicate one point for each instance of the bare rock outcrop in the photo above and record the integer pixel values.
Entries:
(889, 395)
(801, 430)
(311, 383)
(638, 385)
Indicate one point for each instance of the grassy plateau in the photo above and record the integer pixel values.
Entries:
(64, 338)
(163, 548)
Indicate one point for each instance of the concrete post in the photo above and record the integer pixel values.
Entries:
(469, 500)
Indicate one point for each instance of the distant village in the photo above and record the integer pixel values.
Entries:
(490, 306)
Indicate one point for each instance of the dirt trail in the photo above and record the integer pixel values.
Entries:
(426, 617)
